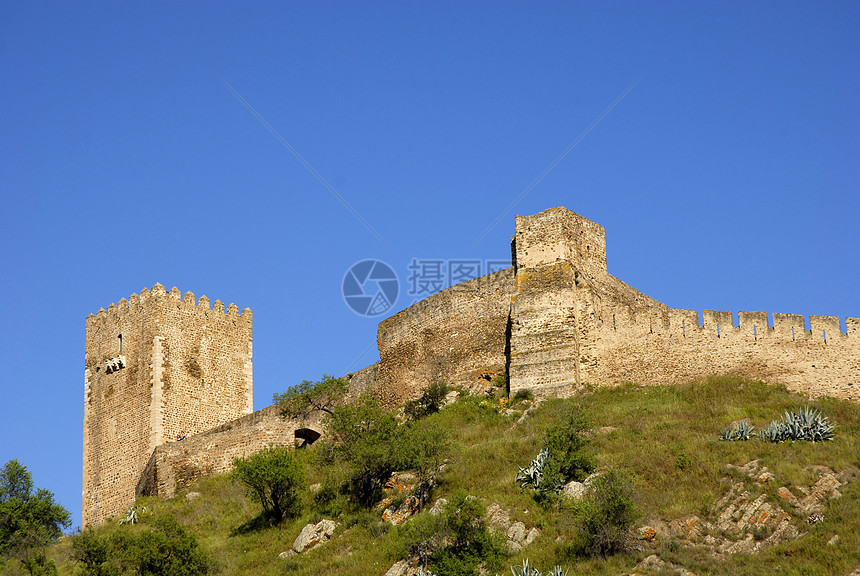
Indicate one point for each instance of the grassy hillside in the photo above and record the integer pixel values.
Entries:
(666, 440)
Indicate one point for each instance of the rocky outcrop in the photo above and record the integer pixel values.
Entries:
(751, 516)
(313, 535)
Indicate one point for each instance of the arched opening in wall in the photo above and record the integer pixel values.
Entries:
(305, 437)
(119, 344)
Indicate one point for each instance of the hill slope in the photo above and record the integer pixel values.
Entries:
(705, 503)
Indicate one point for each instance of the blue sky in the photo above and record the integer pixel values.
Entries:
(726, 177)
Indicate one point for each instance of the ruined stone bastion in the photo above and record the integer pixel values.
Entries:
(160, 366)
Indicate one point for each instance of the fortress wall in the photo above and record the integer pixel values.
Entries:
(174, 465)
(362, 381)
(574, 324)
(456, 336)
(677, 347)
(156, 366)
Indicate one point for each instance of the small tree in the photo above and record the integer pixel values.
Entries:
(430, 401)
(304, 398)
(606, 515)
(470, 542)
(569, 459)
(363, 442)
(422, 448)
(564, 457)
(275, 478)
(29, 520)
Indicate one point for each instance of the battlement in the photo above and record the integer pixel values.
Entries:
(158, 294)
(750, 326)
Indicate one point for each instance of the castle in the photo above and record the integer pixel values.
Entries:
(160, 366)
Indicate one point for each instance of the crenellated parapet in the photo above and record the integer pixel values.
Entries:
(743, 326)
(158, 294)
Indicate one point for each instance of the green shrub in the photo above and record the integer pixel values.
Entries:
(423, 448)
(164, 548)
(523, 394)
(275, 478)
(606, 515)
(563, 458)
(471, 543)
(329, 500)
(567, 446)
(501, 381)
(419, 537)
(30, 520)
(430, 401)
(364, 446)
(368, 446)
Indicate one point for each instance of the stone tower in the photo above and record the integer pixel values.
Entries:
(157, 366)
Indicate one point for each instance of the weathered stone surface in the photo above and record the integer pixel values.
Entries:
(749, 520)
(400, 514)
(517, 532)
(498, 518)
(657, 564)
(590, 480)
(574, 490)
(313, 535)
(787, 495)
(438, 506)
(824, 489)
(647, 533)
(400, 568)
(287, 554)
(192, 496)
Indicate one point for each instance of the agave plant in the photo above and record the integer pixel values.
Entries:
(809, 424)
(803, 424)
(527, 569)
(742, 430)
(133, 515)
(532, 476)
(774, 432)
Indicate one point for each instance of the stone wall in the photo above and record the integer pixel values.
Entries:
(559, 321)
(574, 324)
(174, 465)
(156, 366)
(675, 347)
(456, 336)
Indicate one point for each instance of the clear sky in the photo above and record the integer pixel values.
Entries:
(726, 176)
